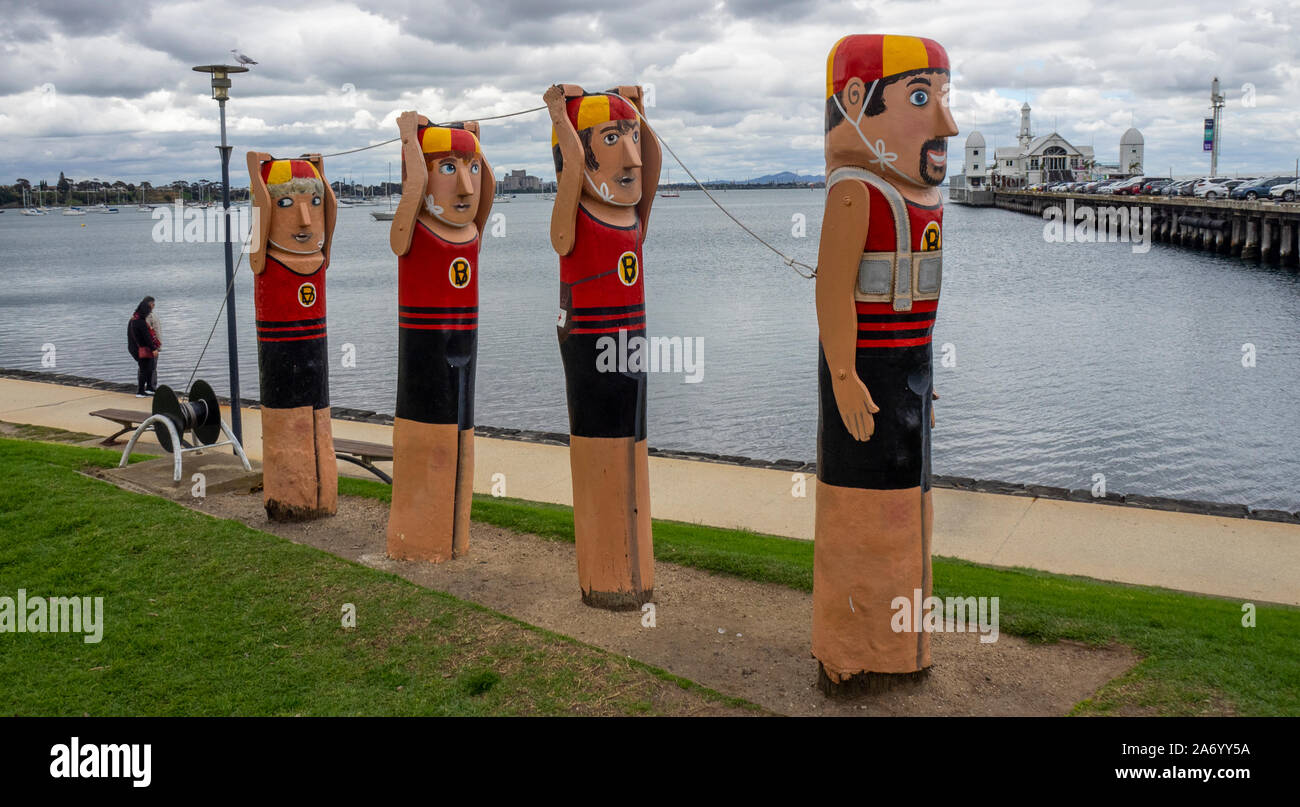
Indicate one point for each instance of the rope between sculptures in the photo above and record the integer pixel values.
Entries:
(795, 265)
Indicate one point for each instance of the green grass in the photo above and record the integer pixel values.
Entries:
(1197, 658)
(210, 617)
(261, 633)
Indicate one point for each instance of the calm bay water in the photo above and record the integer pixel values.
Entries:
(1071, 359)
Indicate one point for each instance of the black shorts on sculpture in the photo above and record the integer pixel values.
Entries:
(435, 375)
(897, 456)
(601, 404)
(294, 373)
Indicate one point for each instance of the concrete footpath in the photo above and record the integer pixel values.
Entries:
(1239, 558)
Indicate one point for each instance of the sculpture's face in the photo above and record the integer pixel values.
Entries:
(887, 107)
(455, 166)
(454, 187)
(614, 149)
(297, 222)
(916, 125)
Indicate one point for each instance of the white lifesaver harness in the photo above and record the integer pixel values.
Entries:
(879, 278)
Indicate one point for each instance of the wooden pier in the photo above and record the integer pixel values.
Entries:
(1255, 231)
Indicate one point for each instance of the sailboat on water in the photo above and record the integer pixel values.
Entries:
(669, 194)
(380, 215)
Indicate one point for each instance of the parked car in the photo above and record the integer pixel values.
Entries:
(1218, 189)
(1128, 187)
(1251, 191)
(1109, 187)
(1176, 189)
(1285, 191)
(1152, 187)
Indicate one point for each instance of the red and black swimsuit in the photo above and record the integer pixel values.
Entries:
(437, 338)
(292, 352)
(879, 325)
(602, 293)
(893, 360)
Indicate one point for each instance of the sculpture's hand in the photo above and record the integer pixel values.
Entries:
(631, 92)
(408, 123)
(555, 99)
(417, 175)
(855, 405)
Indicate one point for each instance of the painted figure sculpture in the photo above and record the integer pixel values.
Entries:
(607, 162)
(447, 189)
(878, 280)
(295, 213)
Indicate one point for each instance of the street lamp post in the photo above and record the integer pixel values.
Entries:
(221, 92)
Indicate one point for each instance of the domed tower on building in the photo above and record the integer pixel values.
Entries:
(1130, 152)
(1026, 133)
(977, 162)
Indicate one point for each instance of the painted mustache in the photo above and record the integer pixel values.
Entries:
(934, 155)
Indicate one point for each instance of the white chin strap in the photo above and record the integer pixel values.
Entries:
(883, 158)
(319, 245)
(604, 194)
(435, 210)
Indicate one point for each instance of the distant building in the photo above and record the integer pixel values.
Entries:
(518, 180)
(1046, 158)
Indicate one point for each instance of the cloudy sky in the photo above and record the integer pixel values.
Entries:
(103, 88)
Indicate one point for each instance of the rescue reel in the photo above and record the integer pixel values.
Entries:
(199, 415)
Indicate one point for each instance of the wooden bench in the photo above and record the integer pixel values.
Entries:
(128, 419)
(360, 452)
(357, 452)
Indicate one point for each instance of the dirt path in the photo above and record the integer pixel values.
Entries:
(741, 638)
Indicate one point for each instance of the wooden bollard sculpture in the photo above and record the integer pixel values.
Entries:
(607, 163)
(295, 213)
(878, 277)
(447, 190)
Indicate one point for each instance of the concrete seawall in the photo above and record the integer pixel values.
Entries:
(1220, 549)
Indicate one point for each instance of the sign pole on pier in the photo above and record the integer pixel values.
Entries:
(221, 92)
(1212, 126)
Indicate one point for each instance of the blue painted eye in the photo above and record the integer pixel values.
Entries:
(284, 201)
(315, 200)
(447, 168)
(919, 97)
(473, 169)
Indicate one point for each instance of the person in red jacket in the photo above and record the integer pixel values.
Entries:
(143, 344)
(607, 161)
(294, 221)
(447, 189)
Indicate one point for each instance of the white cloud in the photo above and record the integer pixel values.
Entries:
(738, 84)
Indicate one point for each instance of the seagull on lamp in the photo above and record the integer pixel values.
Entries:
(241, 58)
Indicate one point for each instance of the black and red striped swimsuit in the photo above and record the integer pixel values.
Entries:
(879, 325)
(292, 351)
(437, 321)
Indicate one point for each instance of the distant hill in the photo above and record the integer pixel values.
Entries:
(783, 178)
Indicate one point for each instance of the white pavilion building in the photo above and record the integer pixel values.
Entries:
(1046, 158)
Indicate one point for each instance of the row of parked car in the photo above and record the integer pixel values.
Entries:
(1249, 188)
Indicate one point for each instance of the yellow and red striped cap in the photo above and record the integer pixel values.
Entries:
(442, 139)
(875, 56)
(592, 110)
(275, 172)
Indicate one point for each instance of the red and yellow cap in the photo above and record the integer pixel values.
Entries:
(277, 172)
(443, 139)
(875, 56)
(592, 110)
